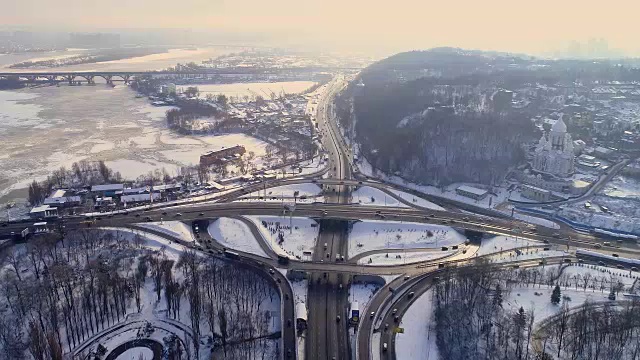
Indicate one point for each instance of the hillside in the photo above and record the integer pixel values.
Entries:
(430, 116)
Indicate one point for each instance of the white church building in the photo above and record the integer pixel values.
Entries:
(554, 153)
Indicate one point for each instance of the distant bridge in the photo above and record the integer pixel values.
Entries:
(126, 76)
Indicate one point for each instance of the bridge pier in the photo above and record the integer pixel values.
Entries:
(109, 79)
(70, 79)
(127, 79)
(90, 80)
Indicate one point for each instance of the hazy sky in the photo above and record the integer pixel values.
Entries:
(529, 26)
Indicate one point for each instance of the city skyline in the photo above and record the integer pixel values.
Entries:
(543, 28)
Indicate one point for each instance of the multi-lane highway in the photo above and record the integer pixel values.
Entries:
(327, 297)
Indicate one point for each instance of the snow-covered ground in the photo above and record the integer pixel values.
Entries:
(627, 277)
(171, 249)
(234, 234)
(536, 220)
(527, 255)
(621, 213)
(362, 294)
(417, 200)
(395, 258)
(501, 193)
(500, 243)
(173, 228)
(300, 289)
(287, 191)
(541, 303)
(155, 311)
(418, 340)
(367, 195)
(299, 234)
(377, 235)
(623, 187)
(138, 353)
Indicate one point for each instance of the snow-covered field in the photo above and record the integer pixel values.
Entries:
(287, 236)
(418, 341)
(377, 235)
(172, 228)
(395, 258)
(367, 195)
(541, 304)
(500, 243)
(234, 234)
(417, 201)
(626, 277)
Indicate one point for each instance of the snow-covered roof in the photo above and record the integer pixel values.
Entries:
(61, 200)
(166, 187)
(41, 208)
(57, 193)
(472, 190)
(107, 187)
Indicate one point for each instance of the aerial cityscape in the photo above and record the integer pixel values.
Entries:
(332, 181)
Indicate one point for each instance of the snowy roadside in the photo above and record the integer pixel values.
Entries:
(293, 237)
(372, 235)
(172, 228)
(234, 234)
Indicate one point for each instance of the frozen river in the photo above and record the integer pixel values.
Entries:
(45, 128)
(141, 63)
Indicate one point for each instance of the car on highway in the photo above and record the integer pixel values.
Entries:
(384, 347)
(338, 318)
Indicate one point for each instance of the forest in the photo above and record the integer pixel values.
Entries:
(474, 321)
(56, 294)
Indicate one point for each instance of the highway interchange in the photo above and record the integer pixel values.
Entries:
(327, 333)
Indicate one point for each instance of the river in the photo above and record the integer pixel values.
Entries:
(42, 129)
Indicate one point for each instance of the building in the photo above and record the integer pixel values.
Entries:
(604, 153)
(588, 161)
(58, 199)
(554, 153)
(578, 146)
(63, 201)
(472, 192)
(43, 211)
(107, 190)
(535, 193)
(221, 156)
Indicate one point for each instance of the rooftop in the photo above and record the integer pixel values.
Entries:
(107, 187)
(472, 190)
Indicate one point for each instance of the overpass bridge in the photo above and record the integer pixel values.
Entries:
(127, 76)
